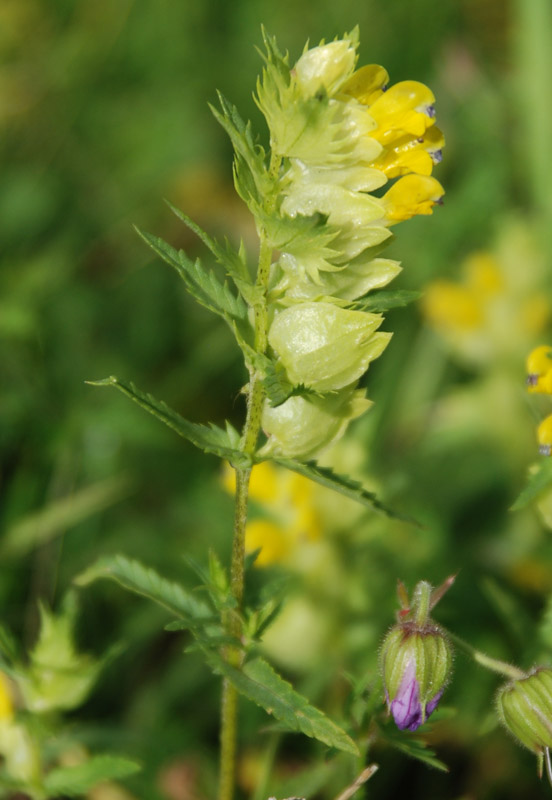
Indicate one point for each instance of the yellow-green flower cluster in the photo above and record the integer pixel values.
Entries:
(337, 136)
(493, 314)
(539, 380)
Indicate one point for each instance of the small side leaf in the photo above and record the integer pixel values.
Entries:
(415, 747)
(232, 261)
(202, 284)
(377, 302)
(259, 682)
(209, 438)
(77, 780)
(142, 580)
(537, 483)
(343, 484)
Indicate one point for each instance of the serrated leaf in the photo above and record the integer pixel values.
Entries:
(537, 483)
(8, 644)
(343, 484)
(251, 178)
(77, 780)
(209, 438)
(415, 747)
(232, 261)
(142, 580)
(200, 282)
(259, 682)
(383, 301)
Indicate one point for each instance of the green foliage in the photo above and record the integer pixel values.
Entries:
(145, 581)
(342, 484)
(414, 747)
(208, 438)
(384, 301)
(77, 780)
(538, 481)
(203, 285)
(258, 681)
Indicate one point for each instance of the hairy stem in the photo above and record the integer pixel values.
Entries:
(492, 664)
(250, 434)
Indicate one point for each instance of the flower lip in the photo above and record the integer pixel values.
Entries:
(545, 449)
(436, 155)
(532, 379)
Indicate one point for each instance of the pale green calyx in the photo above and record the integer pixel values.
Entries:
(525, 708)
(325, 347)
(57, 677)
(302, 426)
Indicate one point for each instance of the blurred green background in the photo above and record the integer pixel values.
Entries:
(103, 114)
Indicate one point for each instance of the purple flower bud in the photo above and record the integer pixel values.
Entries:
(416, 660)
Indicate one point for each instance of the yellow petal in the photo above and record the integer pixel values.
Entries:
(539, 367)
(411, 195)
(483, 274)
(367, 84)
(544, 436)
(405, 108)
(6, 704)
(410, 153)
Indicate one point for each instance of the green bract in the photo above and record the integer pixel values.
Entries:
(302, 426)
(325, 347)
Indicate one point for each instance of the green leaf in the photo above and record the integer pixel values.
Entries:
(383, 301)
(77, 780)
(209, 438)
(8, 644)
(413, 746)
(202, 284)
(142, 580)
(259, 682)
(251, 178)
(343, 484)
(234, 262)
(537, 483)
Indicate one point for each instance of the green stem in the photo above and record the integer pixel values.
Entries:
(492, 664)
(250, 434)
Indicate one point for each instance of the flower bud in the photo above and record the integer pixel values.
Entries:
(416, 660)
(327, 65)
(544, 436)
(525, 708)
(539, 369)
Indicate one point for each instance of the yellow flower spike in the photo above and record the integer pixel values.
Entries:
(367, 84)
(6, 704)
(544, 436)
(412, 154)
(406, 107)
(452, 306)
(539, 369)
(411, 195)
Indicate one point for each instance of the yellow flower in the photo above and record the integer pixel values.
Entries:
(447, 304)
(6, 703)
(544, 436)
(411, 195)
(539, 369)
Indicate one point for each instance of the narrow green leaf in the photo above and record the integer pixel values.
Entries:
(209, 438)
(201, 283)
(343, 484)
(383, 301)
(259, 682)
(142, 580)
(77, 780)
(415, 747)
(42, 526)
(232, 261)
(538, 482)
